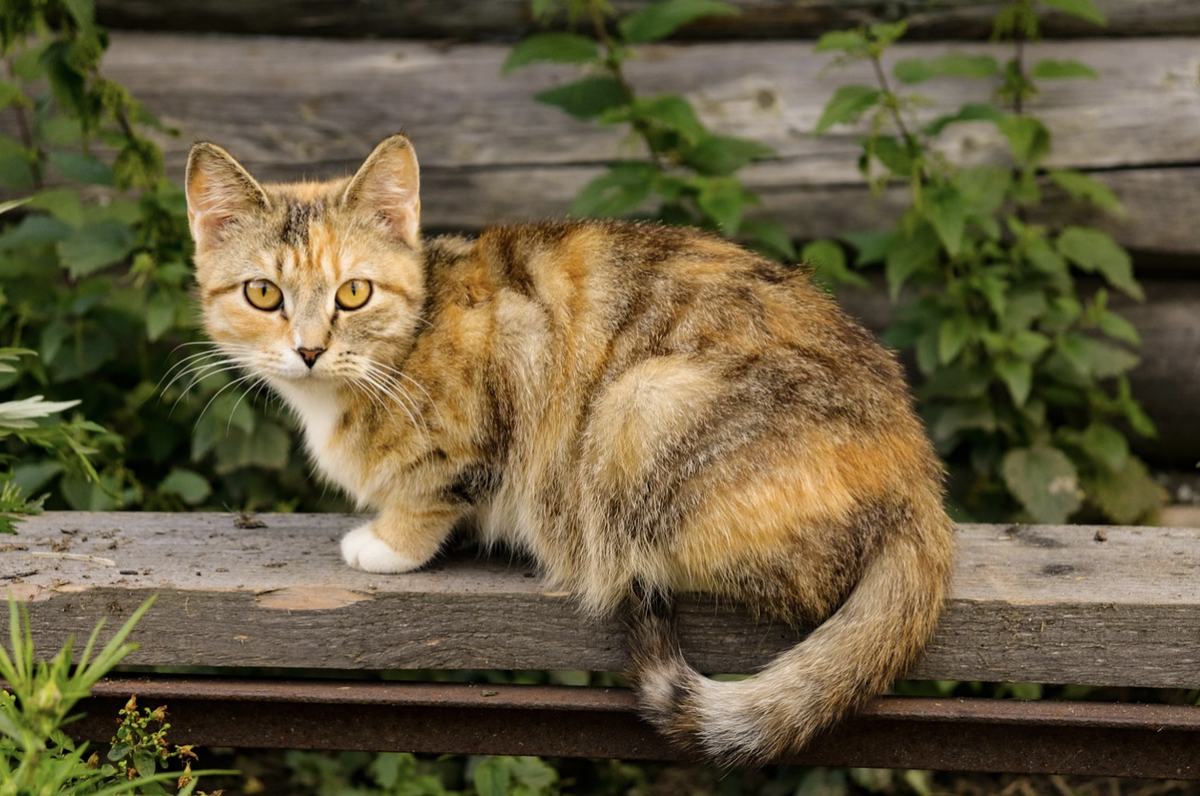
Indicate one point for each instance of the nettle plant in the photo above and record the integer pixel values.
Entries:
(1024, 364)
(683, 173)
(94, 278)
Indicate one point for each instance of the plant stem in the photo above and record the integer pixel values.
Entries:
(891, 103)
(25, 129)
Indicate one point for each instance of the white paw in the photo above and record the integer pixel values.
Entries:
(364, 550)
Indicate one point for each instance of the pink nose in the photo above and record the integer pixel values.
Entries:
(310, 355)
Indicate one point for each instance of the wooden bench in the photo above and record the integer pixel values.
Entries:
(291, 641)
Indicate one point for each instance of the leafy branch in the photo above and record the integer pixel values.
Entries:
(1024, 374)
(687, 174)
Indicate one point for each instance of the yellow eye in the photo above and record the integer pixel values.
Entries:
(353, 294)
(263, 294)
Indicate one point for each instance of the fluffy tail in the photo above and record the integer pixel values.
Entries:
(854, 655)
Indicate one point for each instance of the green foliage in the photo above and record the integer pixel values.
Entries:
(67, 444)
(1025, 375)
(686, 174)
(399, 774)
(37, 757)
(94, 277)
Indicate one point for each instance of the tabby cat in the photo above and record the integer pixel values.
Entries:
(646, 410)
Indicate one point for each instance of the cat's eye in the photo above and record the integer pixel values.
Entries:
(353, 294)
(263, 294)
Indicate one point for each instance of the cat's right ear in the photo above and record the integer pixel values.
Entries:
(218, 191)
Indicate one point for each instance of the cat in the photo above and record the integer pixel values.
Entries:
(647, 410)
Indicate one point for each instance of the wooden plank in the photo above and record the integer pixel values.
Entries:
(292, 108)
(489, 19)
(1030, 603)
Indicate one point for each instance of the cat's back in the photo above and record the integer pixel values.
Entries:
(617, 293)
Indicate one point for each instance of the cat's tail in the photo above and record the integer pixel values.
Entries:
(854, 655)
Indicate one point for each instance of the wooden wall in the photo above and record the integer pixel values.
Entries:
(311, 101)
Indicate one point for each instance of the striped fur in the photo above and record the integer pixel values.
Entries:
(646, 410)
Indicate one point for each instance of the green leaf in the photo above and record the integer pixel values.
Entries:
(960, 417)
(673, 112)
(953, 335)
(893, 154)
(659, 20)
(160, 315)
(872, 247)
(1044, 480)
(848, 104)
(268, 447)
(847, 41)
(1095, 358)
(492, 777)
(1085, 188)
(617, 192)
(944, 210)
(83, 168)
(913, 70)
(723, 200)
(1028, 345)
(1106, 445)
(1128, 495)
(1017, 375)
(586, 98)
(96, 246)
(559, 48)
(1083, 9)
(770, 236)
(1118, 328)
(720, 155)
(829, 260)
(971, 112)
(909, 255)
(1027, 137)
(190, 486)
(983, 189)
(1093, 250)
(145, 762)
(918, 70)
(119, 751)
(64, 204)
(1055, 70)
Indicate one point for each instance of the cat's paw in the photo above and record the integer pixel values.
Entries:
(363, 549)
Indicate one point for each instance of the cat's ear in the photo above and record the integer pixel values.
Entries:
(388, 185)
(218, 191)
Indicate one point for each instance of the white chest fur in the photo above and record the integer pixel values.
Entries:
(318, 408)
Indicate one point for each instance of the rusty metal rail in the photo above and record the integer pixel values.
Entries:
(1143, 740)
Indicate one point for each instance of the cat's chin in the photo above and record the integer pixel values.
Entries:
(363, 549)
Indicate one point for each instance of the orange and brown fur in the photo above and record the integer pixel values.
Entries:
(646, 410)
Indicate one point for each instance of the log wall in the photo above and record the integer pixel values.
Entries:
(294, 108)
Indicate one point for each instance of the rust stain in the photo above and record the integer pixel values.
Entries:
(304, 598)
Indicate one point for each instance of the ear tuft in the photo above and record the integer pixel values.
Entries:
(388, 184)
(218, 191)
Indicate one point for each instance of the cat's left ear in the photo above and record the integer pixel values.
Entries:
(388, 184)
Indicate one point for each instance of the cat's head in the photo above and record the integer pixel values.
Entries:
(309, 283)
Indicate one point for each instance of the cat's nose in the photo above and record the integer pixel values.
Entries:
(310, 355)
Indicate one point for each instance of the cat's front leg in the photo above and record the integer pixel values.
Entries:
(397, 540)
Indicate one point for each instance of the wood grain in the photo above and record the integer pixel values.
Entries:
(491, 19)
(292, 108)
(1030, 603)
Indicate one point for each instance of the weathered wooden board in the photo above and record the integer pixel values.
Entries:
(292, 108)
(1070, 604)
(488, 19)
